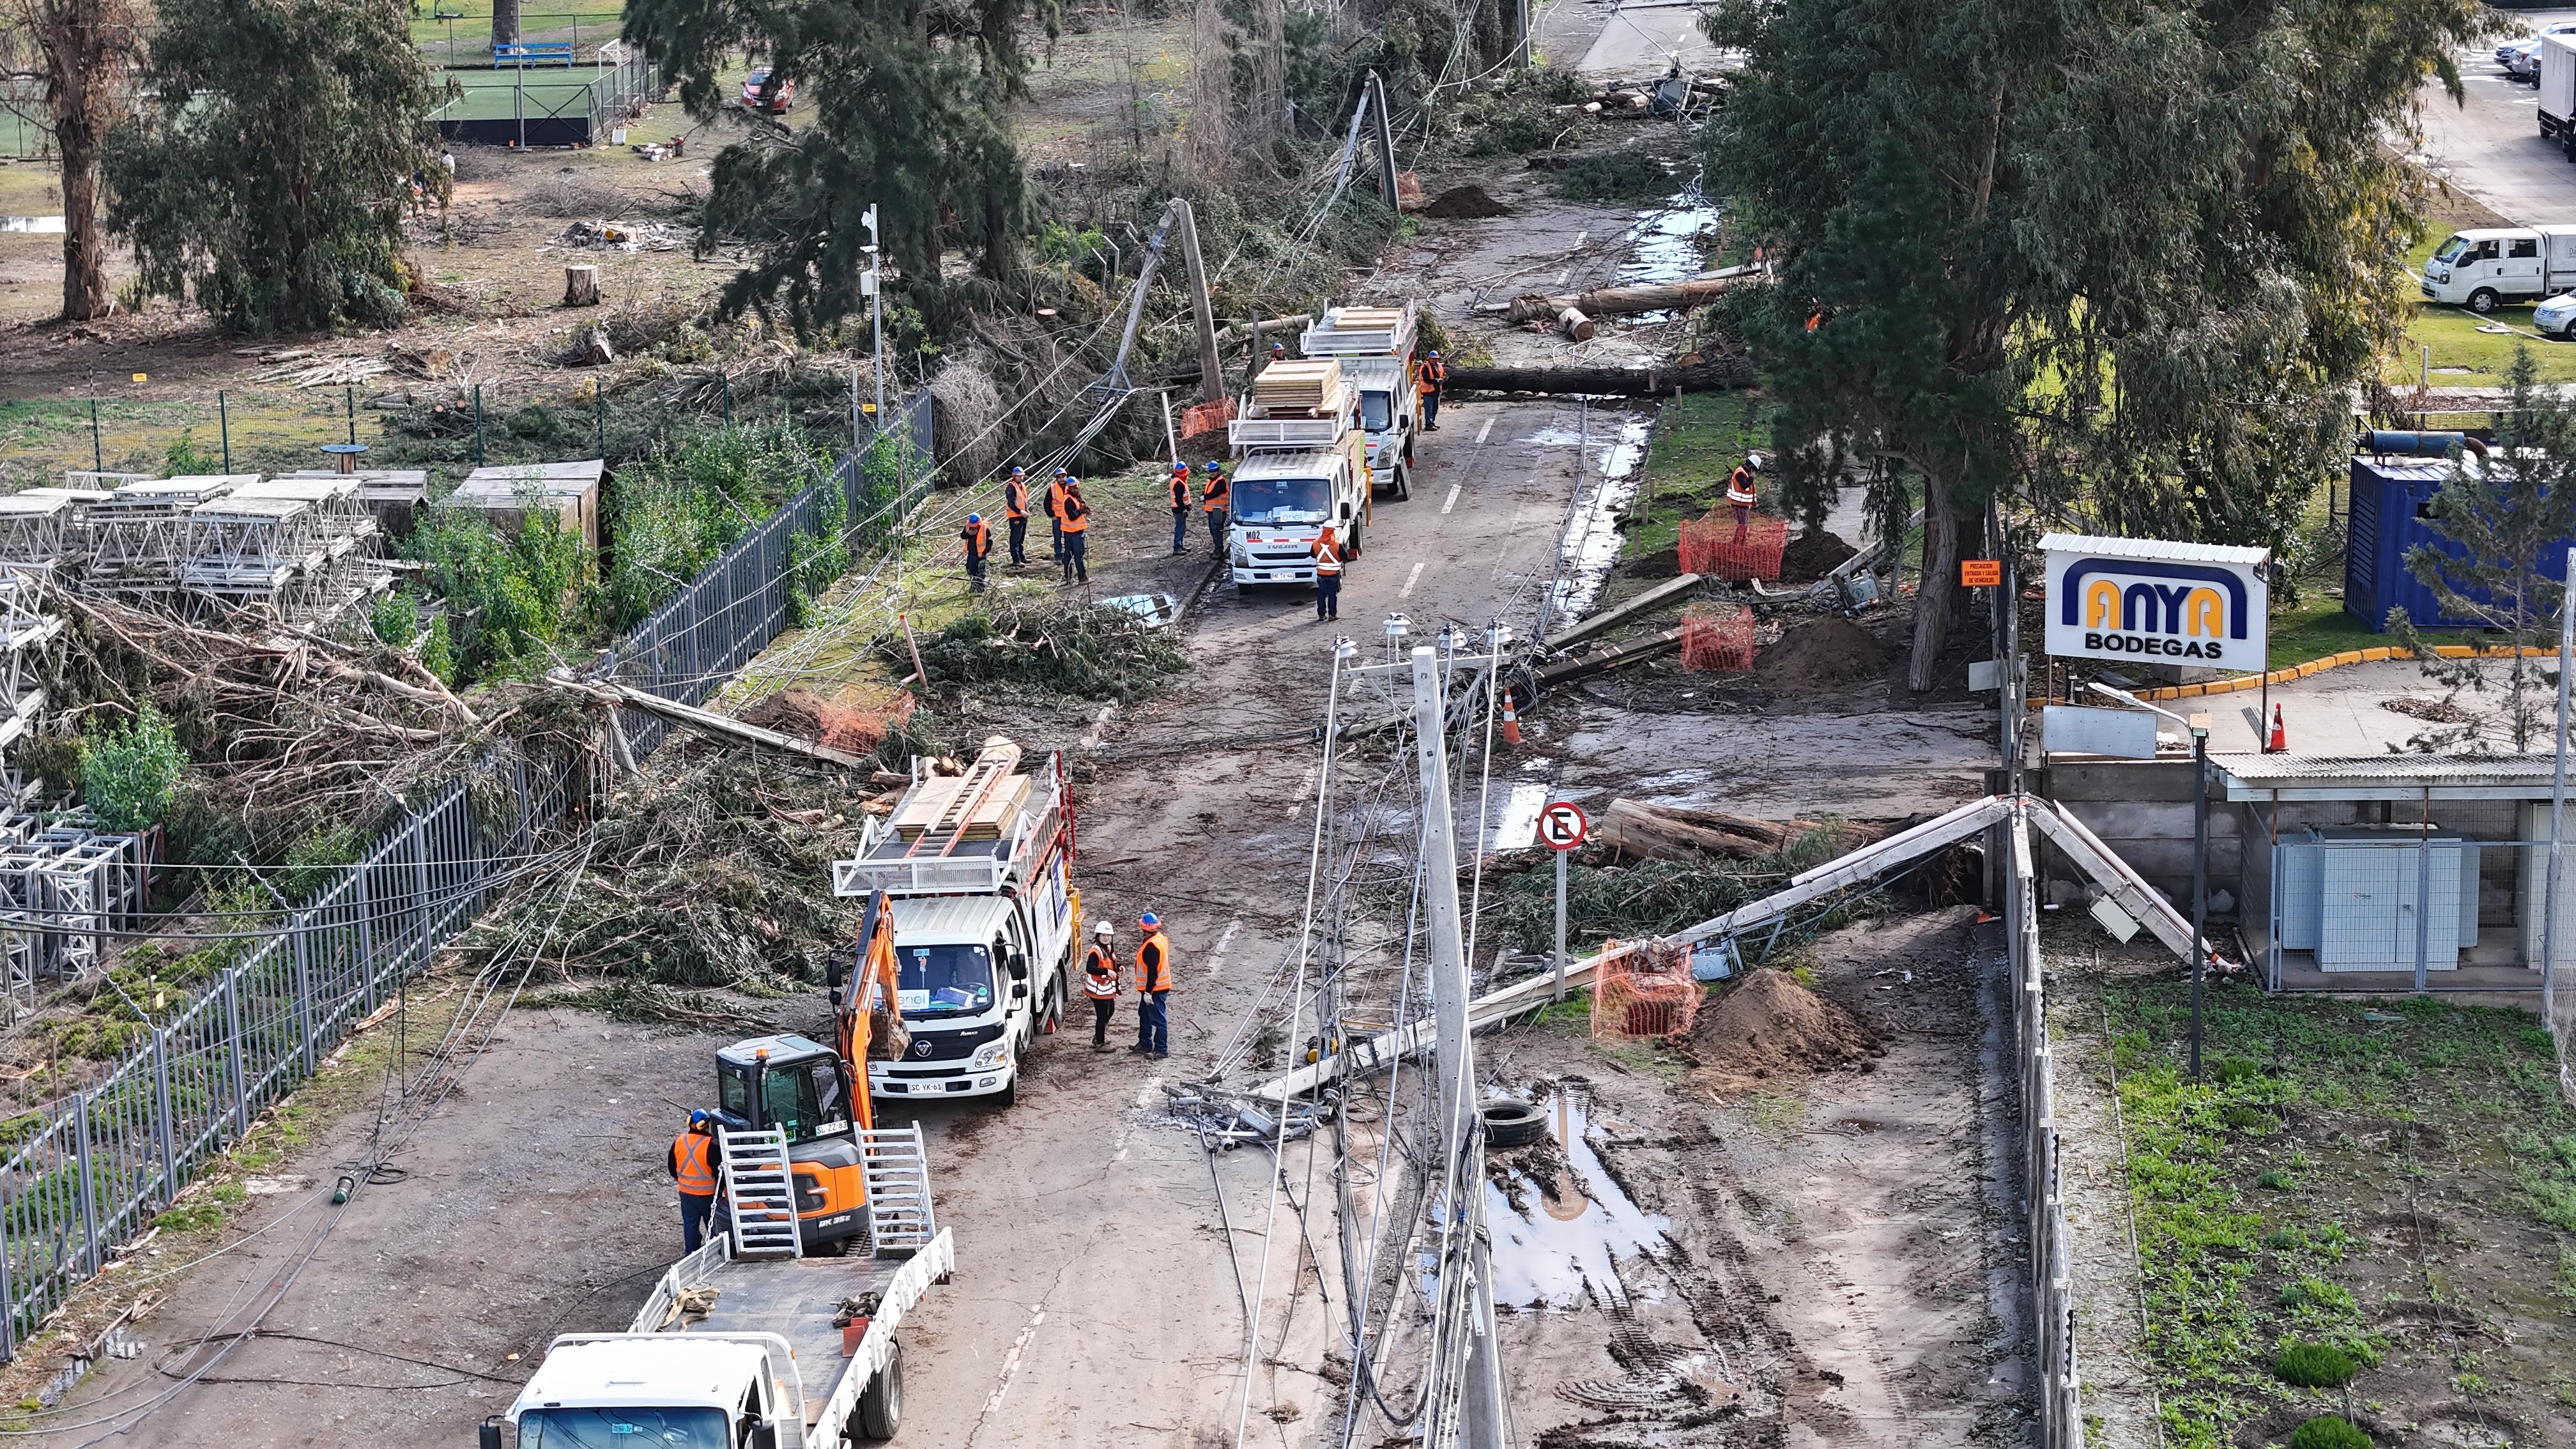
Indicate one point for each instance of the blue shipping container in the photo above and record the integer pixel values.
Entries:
(2390, 497)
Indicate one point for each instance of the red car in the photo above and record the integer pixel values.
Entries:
(778, 103)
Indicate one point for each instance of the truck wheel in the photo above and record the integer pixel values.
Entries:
(881, 1403)
(2483, 300)
(1010, 1096)
(1403, 483)
(1054, 1016)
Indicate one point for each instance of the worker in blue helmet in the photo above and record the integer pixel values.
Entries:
(1153, 988)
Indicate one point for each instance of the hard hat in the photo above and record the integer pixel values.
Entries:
(1019, 472)
(1435, 352)
(698, 1118)
(1149, 921)
(974, 518)
(1180, 467)
(1104, 929)
(1215, 468)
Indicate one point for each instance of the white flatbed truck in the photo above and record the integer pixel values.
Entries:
(1297, 470)
(1375, 345)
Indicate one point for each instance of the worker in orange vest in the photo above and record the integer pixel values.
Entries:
(978, 538)
(1739, 496)
(1100, 984)
(1328, 575)
(695, 1156)
(1153, 989)
(1433, 381)
(1055, 511)
(1179, 486)
(1076, 522)
(1217, 499)
(1015, 508)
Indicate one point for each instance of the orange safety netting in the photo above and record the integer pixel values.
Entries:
(1207, 417)
(1709, 547)
(858, 729)
(1717, 639)
(1643, 993)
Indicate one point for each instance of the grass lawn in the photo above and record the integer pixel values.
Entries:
(1698, 439)
(2321, 626)
(586, 23)
(2456, 343)
(2347, 1174)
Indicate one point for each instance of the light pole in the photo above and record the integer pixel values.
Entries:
(2198, 724)
(872, 286)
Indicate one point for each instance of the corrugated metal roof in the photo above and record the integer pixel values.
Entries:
(2407, 470)
(2380, 769)
(2152, 548)
(969, 919)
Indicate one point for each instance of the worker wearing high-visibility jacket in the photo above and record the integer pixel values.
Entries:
(1153, 988)
(1055, 512)
(1100, 984)
(1178, 485)
(977, 537)
(1076, 521)
(1216, 499)
(695, 1156)
(1739, 496)
(1328, 575)
(1015, 507)
(1433, 380)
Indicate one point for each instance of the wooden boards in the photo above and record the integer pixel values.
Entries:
(1299, 386)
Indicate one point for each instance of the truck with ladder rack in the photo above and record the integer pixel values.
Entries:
(977, 866)
(775, 1334)
(1375, 346)
(1300, 466)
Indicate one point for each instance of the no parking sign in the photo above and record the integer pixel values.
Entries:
(1561, 826)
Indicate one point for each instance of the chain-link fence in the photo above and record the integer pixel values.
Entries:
(87, 1173)
(2061, 1417)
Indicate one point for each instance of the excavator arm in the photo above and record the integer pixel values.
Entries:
(870, 1021)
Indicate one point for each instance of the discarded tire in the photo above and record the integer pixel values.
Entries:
(1511, 1123)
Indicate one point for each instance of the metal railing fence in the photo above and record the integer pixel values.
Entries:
(2061, 1410)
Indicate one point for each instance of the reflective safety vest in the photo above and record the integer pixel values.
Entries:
(1739, 488)
(1077, 514)
(1434, 376)
(1218, 489)
(1055, 498)
(1180, 492)
(979, 539)
(1154, 964)
(1100, 973)
(1015, 499)
(1328, 558)
(693, 1160)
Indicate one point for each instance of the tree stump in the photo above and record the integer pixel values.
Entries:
(1577, 326)
(581, 286)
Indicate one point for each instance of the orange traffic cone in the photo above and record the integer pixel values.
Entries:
(1511, 721)
(2279, 744)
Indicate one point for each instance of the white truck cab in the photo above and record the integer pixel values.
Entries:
(1282, 500)
(689, 1391)
(2484, 267)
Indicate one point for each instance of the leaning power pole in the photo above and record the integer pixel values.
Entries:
(1211, 370)
(1385, 143)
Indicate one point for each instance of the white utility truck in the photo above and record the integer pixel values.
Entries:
(1375, 345)
(2555, 73)
(1300, 465)
(2485, 266)
(748, 1341)
(978, 866)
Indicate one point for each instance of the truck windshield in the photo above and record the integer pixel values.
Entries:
(1377, 411)
(2452, 250)
(1280, 500)
(943, 980)
(623, 1429)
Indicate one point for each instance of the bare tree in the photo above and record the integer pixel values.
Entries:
(505, 23)
(83, 51)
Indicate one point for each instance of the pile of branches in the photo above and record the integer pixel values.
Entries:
(1094, 653)
(717, 875)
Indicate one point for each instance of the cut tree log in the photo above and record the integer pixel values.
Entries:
(708, 722)
(1621, 301)
(1726, 374)
(1576, 325)
(581, 286)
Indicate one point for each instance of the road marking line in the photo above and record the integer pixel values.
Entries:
(1216, 958)
(1454, 490)
(1411, 579)
(1484, 432)
(1011, 1364)
(1126, 1130)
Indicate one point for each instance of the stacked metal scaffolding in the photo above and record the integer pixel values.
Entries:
(138, 535)
(36, 526)
(341, 569)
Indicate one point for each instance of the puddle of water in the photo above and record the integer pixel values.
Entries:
(1516, 823)
(1570, 1244)
(1668, 244)
(1592, 539)
(49, 224)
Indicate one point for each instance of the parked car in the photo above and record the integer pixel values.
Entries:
(759, 77)
(2556, 317)
(2521, 58)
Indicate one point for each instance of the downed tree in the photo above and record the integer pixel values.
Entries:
(1669, 832)
(1619, 301)
(1726, 374)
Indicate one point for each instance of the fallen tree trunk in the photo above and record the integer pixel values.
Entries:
(1620, 301)
(1724, 375)
(1576, 325)
(1666, 832)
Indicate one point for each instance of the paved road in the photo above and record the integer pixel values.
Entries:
(2489, 146)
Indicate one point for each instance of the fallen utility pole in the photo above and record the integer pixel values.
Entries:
(708, 722)
(1669, 592)
(1619, 301)
(1725, 375)
(1584, 666)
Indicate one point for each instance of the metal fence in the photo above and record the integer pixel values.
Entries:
(87, 1173)
(2061, 1417)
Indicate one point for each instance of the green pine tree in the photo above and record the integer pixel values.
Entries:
(2501, 518)
(268, 170)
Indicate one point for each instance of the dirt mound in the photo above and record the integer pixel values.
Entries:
(1465, 203)
(841, 722)
(1771, 1028)
(1822, 654)
(1811, 556)
(795, 710)
(1663, 563)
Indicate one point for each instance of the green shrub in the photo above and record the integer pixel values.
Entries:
(2326, 1431)
(509, 596)
(674, 512)
(2235, 1070)
(1618, 176)
(2245, 1118)
(185, 457)
(395, 620)
(2272, 1179)
(128, 775)
(2314, 1366)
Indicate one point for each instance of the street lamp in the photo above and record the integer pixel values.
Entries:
(2198, 724)
(872, 287)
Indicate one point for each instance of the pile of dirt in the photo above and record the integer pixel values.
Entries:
(1465, 203)
(1770, 1028)
(1663, 563)
(1820, 655)
(1811, 556)
(844, 722)
(794, 710)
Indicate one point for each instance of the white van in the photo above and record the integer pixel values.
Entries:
(2484, 267)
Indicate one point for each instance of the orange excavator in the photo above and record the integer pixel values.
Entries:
(817, 1095)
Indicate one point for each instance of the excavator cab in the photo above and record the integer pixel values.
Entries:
(817, 1095)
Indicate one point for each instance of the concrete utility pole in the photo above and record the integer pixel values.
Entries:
(1385, 142)
(1481, 1408)
(2557, 803)
(1116, 378)
(1211, 371)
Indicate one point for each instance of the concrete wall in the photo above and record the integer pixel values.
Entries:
(2142, 810)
